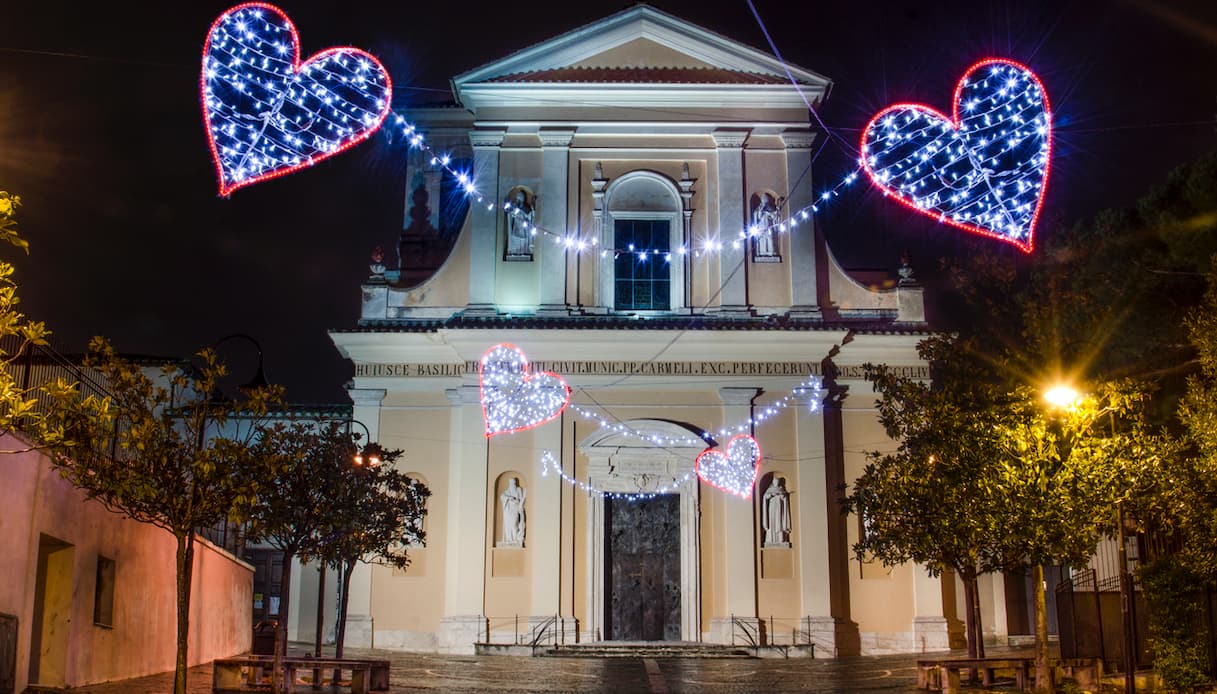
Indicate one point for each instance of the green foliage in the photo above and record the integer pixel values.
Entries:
(164, 451)
(935, 500)
(296, 502)
(378, 514)
(1175, 606)
(183, 460)
(1066, 469)
(19, 406)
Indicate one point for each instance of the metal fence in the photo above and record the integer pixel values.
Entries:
(1091, 623)
(37, 366)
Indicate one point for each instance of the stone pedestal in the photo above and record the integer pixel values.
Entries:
(931, 634)
(358, 631)
(834, 637)
(458, 633)
(565, 630)
(735, 631)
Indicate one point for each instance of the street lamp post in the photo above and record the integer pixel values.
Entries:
(369, 453)
(257, 381)
(1065, 397)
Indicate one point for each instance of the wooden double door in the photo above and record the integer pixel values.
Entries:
(642, 553)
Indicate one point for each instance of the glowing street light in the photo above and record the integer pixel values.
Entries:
(1066, 397)
(1063, 396)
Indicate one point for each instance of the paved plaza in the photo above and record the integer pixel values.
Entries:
(466, 674)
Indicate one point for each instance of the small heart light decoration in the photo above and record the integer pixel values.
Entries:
(266, 113)
(513, 399)
(735, 471)
(984, 169)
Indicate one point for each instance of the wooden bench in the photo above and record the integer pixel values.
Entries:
(252, 672)
(944, 674)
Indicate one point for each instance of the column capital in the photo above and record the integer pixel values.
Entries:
(465, 395)
(797, 139)
(488, 137)
(807, 395)
(556, 137)
(730, 138)
(366, 397)
(738, 396)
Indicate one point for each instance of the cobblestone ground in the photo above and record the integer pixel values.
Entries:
(469, 674)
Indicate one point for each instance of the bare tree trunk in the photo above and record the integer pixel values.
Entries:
(974, 606)
(285, 603)
(185, 572)
(344, 597)
(1043, 677)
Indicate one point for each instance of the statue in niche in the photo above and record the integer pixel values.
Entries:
(775, 514)
(766, 215)
(520, 216)
(512, 499)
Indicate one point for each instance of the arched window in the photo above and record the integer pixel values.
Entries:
(643, 225)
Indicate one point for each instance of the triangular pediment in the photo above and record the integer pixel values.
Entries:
(642, 53)
(639, 38)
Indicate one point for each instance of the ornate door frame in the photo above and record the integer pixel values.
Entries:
(630, 465)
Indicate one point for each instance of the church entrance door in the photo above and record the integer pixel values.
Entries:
(642, 551)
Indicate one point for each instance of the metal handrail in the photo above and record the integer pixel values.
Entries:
(540, 631)
(750, 634)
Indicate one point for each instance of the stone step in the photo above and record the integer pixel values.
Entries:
(648, 649)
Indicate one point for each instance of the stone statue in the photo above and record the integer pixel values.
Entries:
(765, 219)
(513, 514)
(775, 516)
(519, 226)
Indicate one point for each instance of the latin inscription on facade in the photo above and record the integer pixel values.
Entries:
(637, 368)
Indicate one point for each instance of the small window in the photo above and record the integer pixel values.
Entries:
(103, 593)
(642, 269)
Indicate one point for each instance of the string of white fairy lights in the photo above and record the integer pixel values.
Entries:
(588, 243)
(812, 390)
(549, 462)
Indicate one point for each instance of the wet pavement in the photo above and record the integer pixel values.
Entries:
(411, 672)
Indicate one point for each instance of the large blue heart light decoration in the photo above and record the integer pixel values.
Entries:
(267, 114)
(985, 169)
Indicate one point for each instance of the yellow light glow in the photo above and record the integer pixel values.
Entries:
(1063, 396)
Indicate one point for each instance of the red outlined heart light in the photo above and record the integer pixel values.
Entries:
(984, 169)
(268, 114)
(513, 399)
(735, 471)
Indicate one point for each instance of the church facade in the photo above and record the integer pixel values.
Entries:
(638, 229)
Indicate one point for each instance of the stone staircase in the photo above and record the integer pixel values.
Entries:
(646, 649)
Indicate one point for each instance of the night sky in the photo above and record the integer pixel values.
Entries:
(101, 134)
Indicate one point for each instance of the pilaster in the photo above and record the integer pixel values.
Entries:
(483, 254)
(929, 619)
(732, 218)
(803, 300)
(824, 590)
(465, 556)
(555, 162)
(739, 530)
(366, 411)
(545, 529)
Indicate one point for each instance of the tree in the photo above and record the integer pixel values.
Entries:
(296, 504)
(378, 515)
(1178, 507)
(165, 452)
(1064, 471)
(936, 500)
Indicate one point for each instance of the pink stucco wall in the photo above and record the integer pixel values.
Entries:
(35, 501)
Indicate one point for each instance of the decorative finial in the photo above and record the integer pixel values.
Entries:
(378, 265)
(906, 269)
